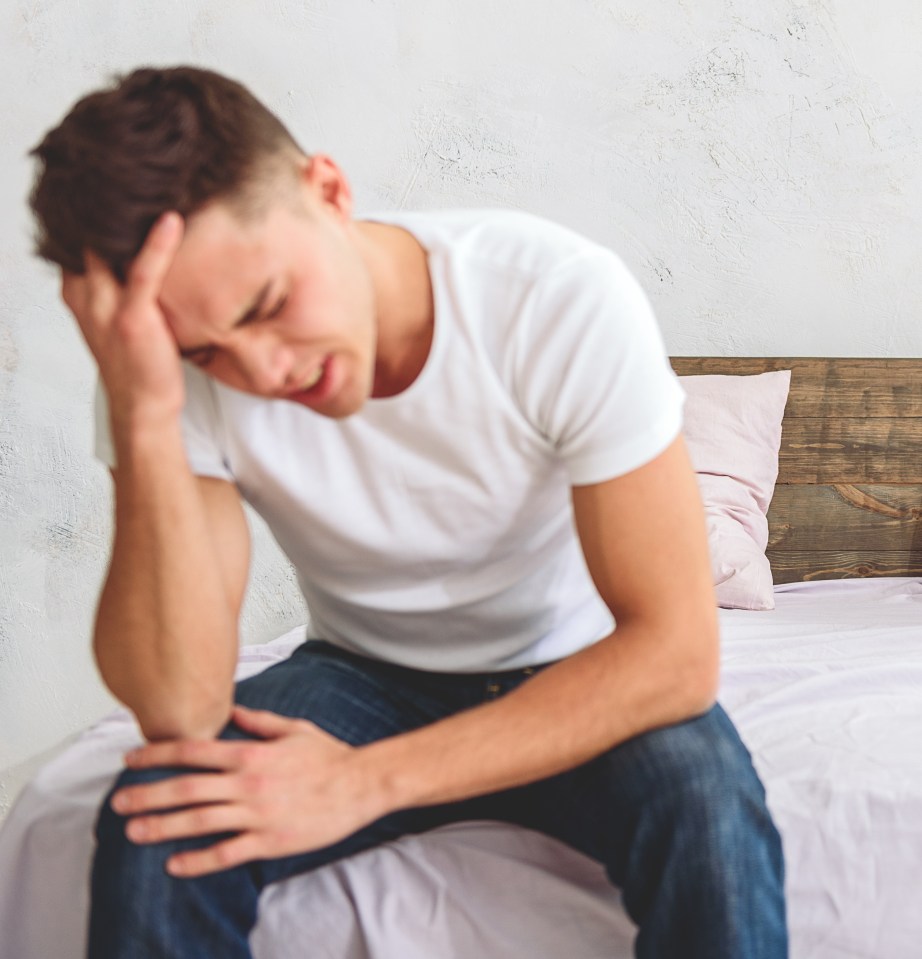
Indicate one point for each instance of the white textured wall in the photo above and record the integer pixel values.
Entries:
(756, 163)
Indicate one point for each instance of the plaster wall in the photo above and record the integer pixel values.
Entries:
(757, 165)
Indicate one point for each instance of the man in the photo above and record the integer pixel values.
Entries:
(462, 429)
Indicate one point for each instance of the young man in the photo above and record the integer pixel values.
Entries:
(463, 430)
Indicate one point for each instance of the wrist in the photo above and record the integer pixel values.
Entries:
(140, 436)
(133, 418)
(133, 406)
(383, 789)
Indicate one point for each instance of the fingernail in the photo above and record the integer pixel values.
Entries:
(119, 802)
(174, 867)
(136, 830)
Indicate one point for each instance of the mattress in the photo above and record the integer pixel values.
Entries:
(826, 690)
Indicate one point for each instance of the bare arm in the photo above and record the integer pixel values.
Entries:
(645, 543)
(166, 628)
(644, 539)
(165, 637)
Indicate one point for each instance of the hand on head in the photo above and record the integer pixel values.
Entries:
(126, 330)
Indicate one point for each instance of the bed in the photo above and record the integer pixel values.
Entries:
(825, 688)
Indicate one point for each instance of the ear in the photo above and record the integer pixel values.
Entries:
(327, 184)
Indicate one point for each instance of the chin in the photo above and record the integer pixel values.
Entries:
(346, 406)
(337, 407)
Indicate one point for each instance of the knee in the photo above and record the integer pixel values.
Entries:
(699, 764)
(126, 874)
(110, 825)
(705, 785)
(704, 843)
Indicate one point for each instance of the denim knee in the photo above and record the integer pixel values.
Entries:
(140, 911)
(705, 810)
(113, 843)
(700, 771)
(706, 847)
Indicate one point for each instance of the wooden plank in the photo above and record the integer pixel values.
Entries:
(730, 365)
(849, 497)
(848, 386)
(864, 519)
(794, 566)
(853, 451)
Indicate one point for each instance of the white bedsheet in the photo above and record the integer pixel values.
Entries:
(826, 690)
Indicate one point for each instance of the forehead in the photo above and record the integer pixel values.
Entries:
(220, 258)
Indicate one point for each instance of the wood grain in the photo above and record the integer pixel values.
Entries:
(798, 566)
(828, 387)
(848, 502)
(841, 449)
(867, 519)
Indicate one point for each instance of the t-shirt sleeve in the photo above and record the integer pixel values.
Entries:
(200, 423)
(592, 374)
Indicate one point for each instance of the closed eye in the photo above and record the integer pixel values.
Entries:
(256, 316)
(201, 358)
(204, 355)
(277, 309)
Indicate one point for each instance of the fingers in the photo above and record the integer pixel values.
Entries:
(222, 855)
(96, 297)
(101, 290)
(174, 792)
(93, 296)
(263, 723)
(214, 754)
(188, 823)
(149, 268)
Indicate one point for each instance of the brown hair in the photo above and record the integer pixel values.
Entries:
(156, 140)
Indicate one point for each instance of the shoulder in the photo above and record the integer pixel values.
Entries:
(509, 274)
(521, 243)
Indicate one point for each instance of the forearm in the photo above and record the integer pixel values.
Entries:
(165, 638)
(564, 716)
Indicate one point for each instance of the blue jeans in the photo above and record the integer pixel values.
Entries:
(677, 817)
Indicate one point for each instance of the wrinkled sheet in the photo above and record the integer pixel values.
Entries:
(826, 691)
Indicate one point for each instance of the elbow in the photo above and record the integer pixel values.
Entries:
(701, 688)
(180, 710)
(167, 710)
(179, 714)
(694, 678)
(169, 701)
(699, 677)
(159, 722)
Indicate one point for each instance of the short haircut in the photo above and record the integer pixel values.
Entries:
(156, 140)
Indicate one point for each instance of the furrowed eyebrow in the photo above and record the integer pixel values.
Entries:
(256, 306)
(250, 314)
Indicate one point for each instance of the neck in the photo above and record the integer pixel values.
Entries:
(403, 304)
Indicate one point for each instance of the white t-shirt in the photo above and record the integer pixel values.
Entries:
(434, 528)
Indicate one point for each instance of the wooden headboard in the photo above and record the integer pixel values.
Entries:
(848, 502)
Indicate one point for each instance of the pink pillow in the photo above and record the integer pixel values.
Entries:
(733, 431)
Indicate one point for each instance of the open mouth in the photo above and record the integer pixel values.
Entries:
(315, 382)
(312, 380)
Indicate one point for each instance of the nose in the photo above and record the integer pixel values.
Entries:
(264, 365)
